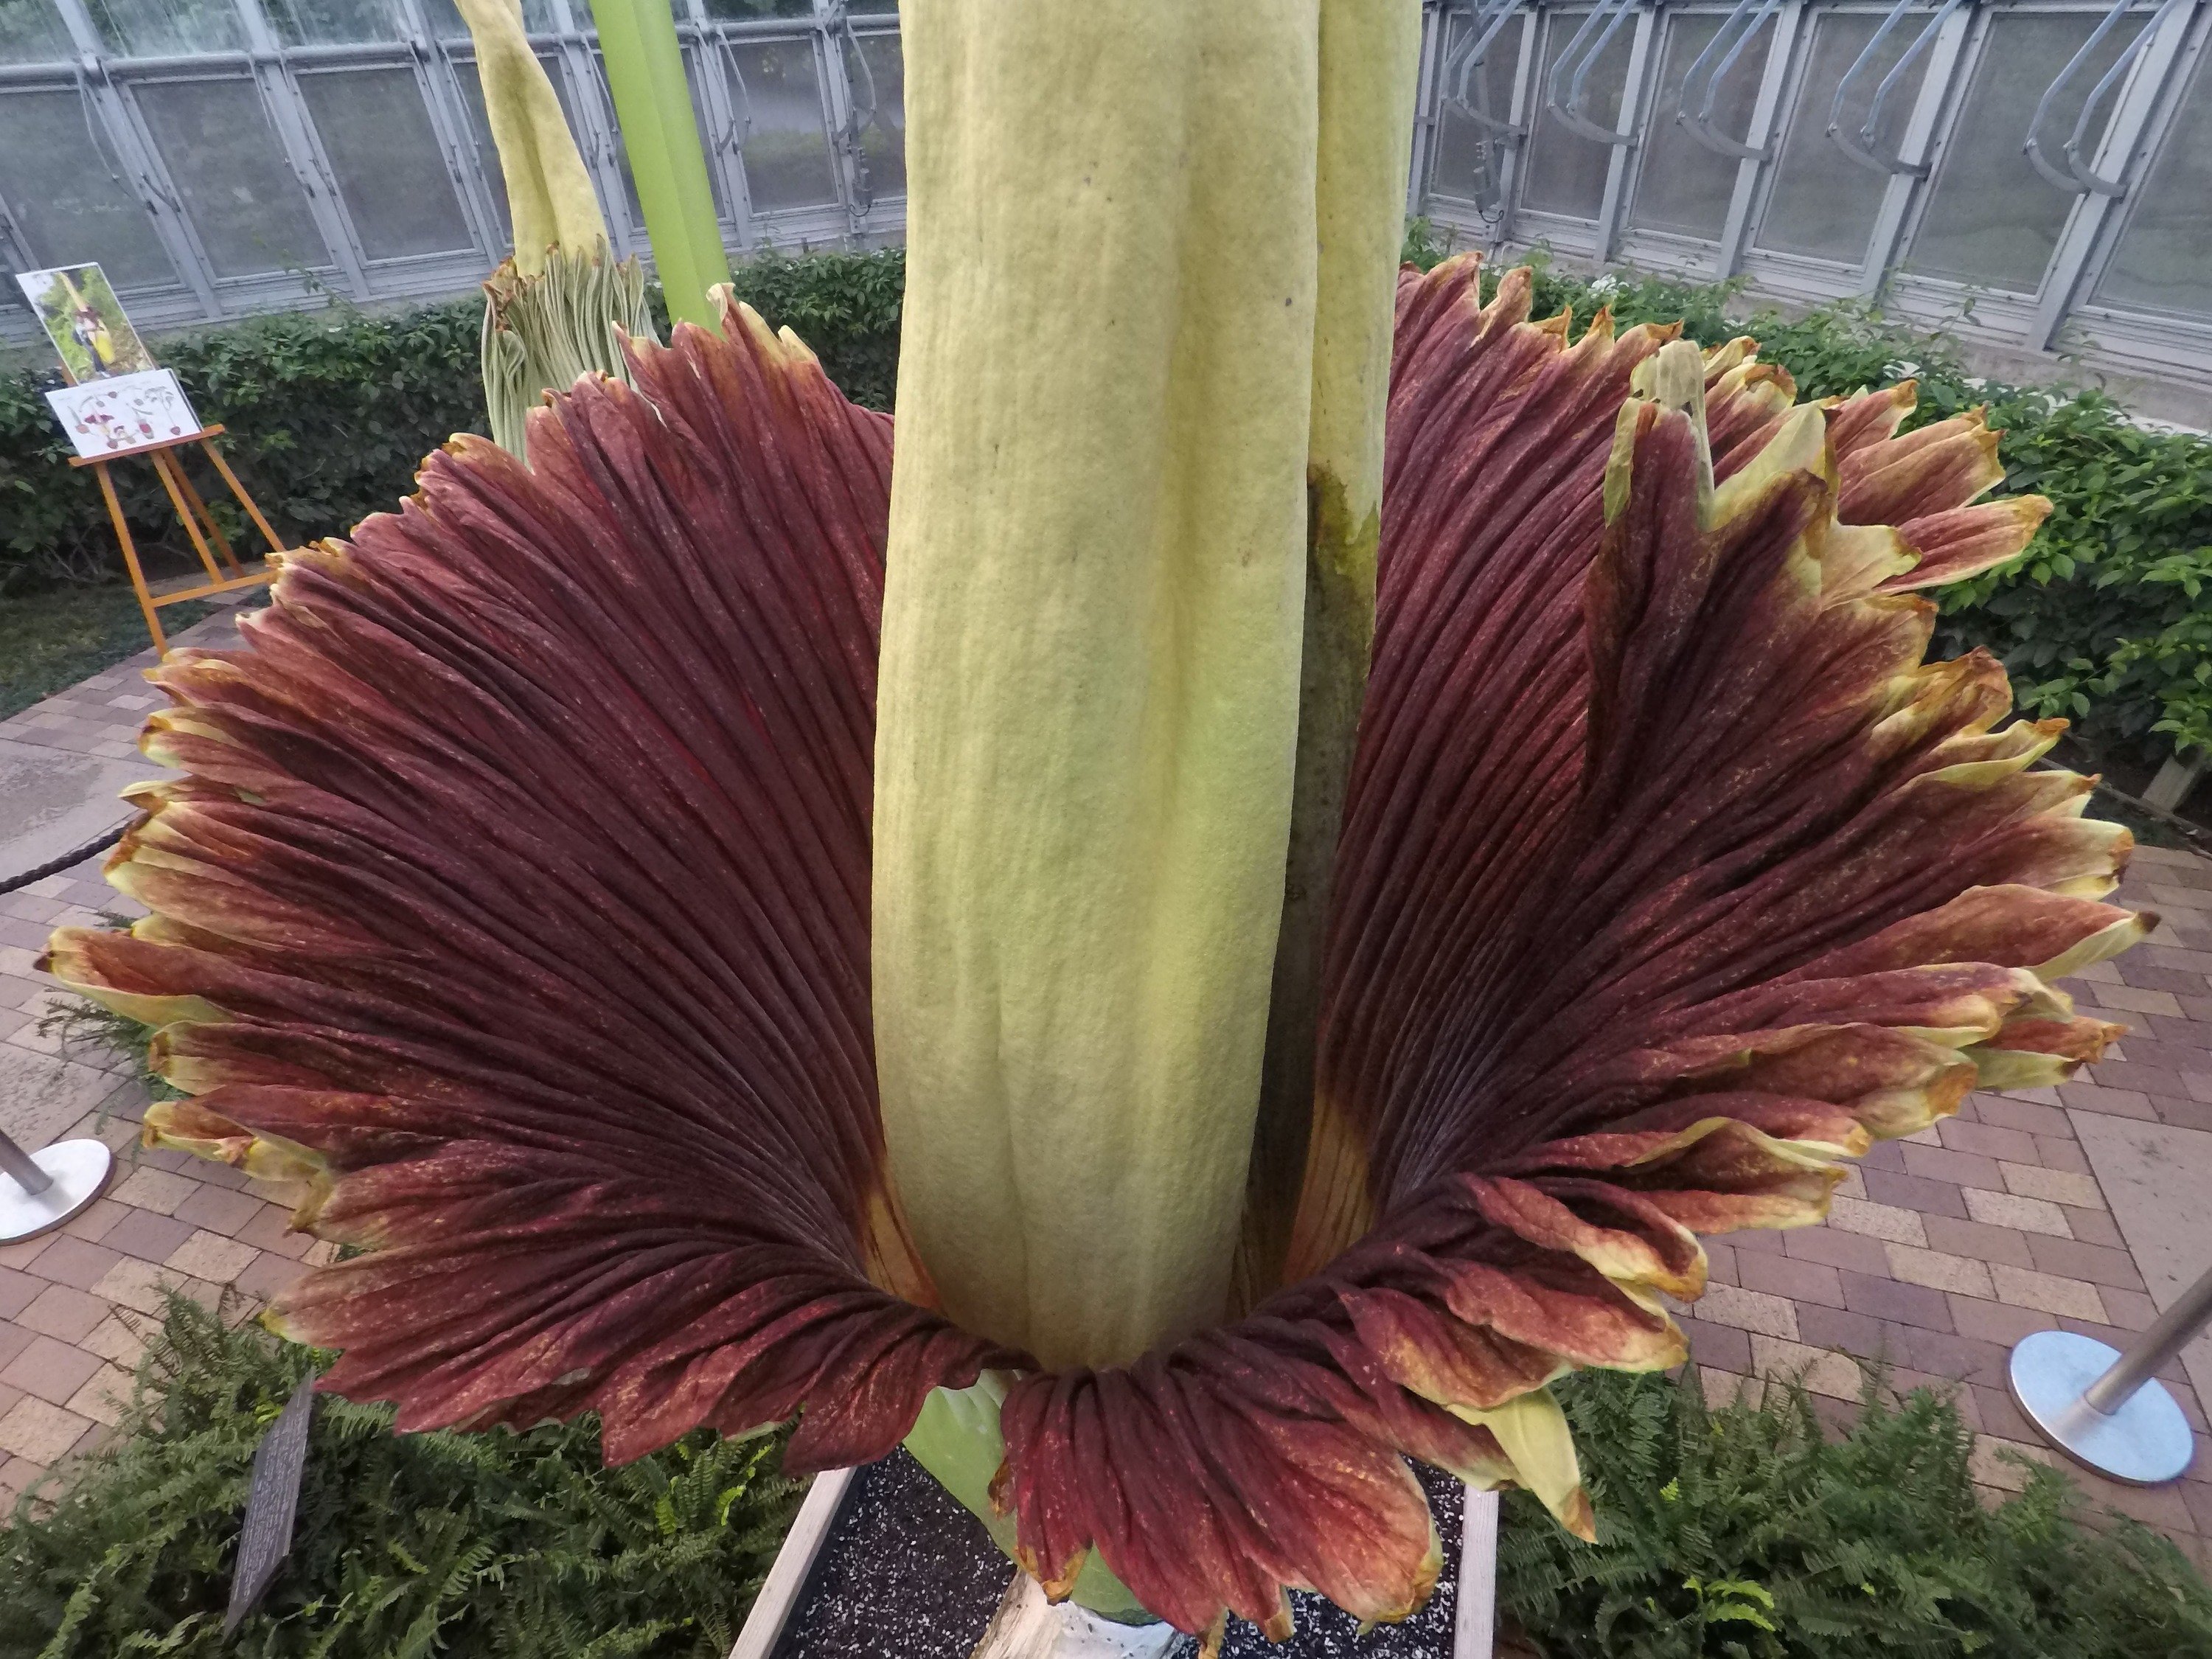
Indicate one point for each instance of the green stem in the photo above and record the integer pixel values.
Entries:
(652, 102)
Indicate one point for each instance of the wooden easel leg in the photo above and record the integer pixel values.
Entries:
(238, 490)
(165, 465)
(214, 530)
(131, 559)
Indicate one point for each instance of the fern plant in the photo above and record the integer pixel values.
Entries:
(1746, 1533)
(405, 1546)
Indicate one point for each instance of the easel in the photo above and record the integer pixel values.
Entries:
(208, 539)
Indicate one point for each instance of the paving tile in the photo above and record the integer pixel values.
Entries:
(14, 1339)
(2132, 1000)
(104, 1397)
(2130, 1311)
(40, 1431)
(2097, 1263)
(2059, 1186)
(1749, 1310)
(1883, 1221)
(17, 1292)
(2128, 1075)
(2018, 1212)
(2116, 1102)
(143, 1287)
(1945, 1354)
(271, 1230)
(2030, 1118)
(212, 1257)
(1835, 1250)
(1961, 1169)
(2046, 1292)
(1844, 1332)
(159, 1190)
(149, 1236)
(272, 1275)
(1834, 1374)
(92, 1224)
(1990, 1139)
(1785, 1275)
(1717, 1344)
(1978, 1241)
(1886, 1299)
(63, 1311)
(49, 1370)
(2064, 1154)
(2092, 1226)
(67, 1260)
(1940, 1272)
(1915, 1192)
(119, 1339)
(219, 1210)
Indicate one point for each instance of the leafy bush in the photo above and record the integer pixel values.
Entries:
(1745, 1533)
(496, 1543)
(330, 413)
(2104, 618)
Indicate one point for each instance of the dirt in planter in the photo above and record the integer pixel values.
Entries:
(909, 1574)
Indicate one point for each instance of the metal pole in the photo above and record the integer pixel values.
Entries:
(2169, 1333)
(17, 1164)
(2102, 1408)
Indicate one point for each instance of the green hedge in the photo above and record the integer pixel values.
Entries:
(331, 412)
(2104, 619)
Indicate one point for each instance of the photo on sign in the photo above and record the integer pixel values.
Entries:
(123, 412)
(84, 320)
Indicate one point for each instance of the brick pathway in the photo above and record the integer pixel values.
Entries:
(1946, 1249)
(1941, 1251)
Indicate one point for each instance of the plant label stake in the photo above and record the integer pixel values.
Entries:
(40, 1190)
(2102, 1408)
(273, 1497)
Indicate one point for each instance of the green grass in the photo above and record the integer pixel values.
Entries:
(51, 639)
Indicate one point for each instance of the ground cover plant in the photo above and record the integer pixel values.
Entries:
(1742, 1532)
(1747, 1533)
(473, 1544)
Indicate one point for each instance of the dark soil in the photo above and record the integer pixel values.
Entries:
(909, 1574)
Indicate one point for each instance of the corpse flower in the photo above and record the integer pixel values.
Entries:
(713, 983)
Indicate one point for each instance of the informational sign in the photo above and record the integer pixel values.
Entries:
(272, 1499)
(84, 320)
(124, 412)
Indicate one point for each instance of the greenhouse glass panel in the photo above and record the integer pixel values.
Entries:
(1993, 219)
(2164, 261)
(1823, 203)
(167, 29)
(783, 138)
(1468, 164)
(746, 11)
(539, 17)
(876, 73)
(334, 22)
(31, 32)
(1682, 186)
(1566, 171)
(215, 140)
(57, 181)
(390, 172)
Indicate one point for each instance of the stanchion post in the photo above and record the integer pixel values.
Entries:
(2104, 1408)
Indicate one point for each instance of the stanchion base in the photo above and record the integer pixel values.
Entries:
(80, 1169)
(2146, 1443)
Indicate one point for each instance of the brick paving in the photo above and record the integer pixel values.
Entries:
(1945, 1249)
(1941, 1251)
